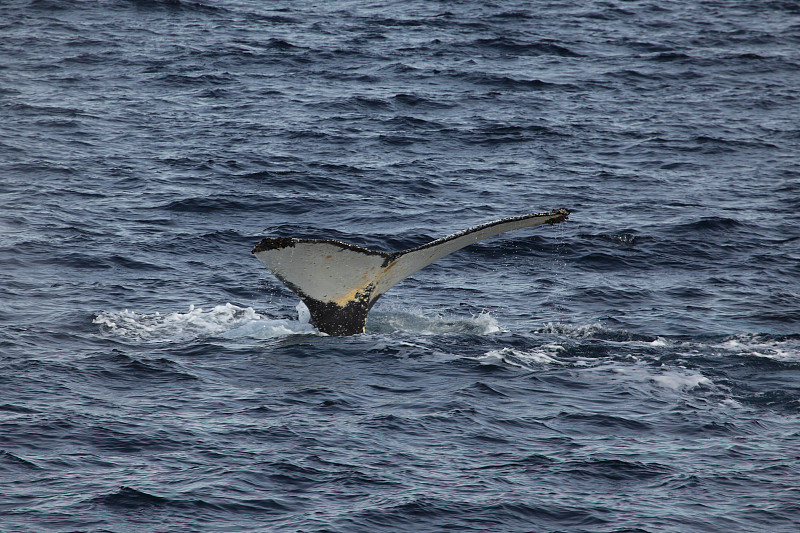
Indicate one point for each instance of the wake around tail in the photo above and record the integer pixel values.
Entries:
(340, 282)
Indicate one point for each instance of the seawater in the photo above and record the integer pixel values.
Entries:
(633, 369)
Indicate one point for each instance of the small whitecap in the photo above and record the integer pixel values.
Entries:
(571, 330)
(390, 319)
(523, 359)
(679, 381)
(730, 402)
(748, 344)
(675, 379)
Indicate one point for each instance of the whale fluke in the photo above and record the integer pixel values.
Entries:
(340, 282)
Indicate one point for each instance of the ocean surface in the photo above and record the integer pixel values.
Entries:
(634, 369)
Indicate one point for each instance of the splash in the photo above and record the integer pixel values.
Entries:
(571, 330)
(232, 321)
(264, 328)
(228, 321)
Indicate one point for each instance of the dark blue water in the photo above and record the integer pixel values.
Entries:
(636, 368)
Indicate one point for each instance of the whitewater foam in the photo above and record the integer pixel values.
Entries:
(544, 355)
(787, 349)
(627, 368)
(391, 319)
(228, 320)
(232, 321)
(571, 330)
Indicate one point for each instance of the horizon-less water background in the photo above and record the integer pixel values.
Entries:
(636, 368)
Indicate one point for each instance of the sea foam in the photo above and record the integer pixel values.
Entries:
(228, 320)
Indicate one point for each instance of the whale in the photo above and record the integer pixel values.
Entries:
(339, 282)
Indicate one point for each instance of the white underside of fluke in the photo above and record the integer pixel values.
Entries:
(324, 271)
(331, 274)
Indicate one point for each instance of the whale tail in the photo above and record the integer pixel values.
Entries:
(340, 282)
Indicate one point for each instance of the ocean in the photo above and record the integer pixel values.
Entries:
(633, 369)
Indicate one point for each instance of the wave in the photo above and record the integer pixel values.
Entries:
(511, 46)
(10, 461)
(130, 498)
(765, 345)
(720, 369)
(436, 514)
